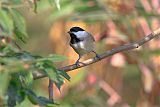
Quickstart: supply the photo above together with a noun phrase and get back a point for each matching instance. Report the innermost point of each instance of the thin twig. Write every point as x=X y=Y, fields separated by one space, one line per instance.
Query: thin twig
x=50 y=90
x=106 y=54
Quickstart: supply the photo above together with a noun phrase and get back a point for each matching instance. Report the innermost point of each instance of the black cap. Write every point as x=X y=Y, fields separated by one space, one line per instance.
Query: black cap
x=76 y=29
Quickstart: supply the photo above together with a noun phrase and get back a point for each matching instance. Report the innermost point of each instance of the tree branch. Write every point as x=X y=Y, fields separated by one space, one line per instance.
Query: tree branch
x=50 y=90
x=38 y=75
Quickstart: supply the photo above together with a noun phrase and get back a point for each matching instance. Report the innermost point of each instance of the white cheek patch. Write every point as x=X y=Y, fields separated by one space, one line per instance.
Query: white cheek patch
x=81 y=34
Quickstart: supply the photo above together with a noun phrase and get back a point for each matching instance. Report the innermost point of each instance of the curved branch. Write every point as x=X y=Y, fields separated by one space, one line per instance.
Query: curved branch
x=38 y=75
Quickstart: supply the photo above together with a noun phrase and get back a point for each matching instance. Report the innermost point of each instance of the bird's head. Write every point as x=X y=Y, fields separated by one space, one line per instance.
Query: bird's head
x=76 y=31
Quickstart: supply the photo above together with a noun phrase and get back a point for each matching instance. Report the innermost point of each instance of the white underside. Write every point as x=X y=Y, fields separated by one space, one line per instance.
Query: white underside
x=83 y=47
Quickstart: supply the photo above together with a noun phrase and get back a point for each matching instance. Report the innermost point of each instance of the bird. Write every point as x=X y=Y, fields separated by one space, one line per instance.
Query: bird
x=82 y=42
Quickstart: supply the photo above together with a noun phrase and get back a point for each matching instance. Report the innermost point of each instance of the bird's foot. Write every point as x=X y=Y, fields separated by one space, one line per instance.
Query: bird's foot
x=98 y=57
x=78 y=63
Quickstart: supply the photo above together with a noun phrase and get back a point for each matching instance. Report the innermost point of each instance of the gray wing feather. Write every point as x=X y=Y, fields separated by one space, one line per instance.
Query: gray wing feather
x=88 y=37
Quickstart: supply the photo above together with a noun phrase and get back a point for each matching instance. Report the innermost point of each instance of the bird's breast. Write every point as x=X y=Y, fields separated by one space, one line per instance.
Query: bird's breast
x=83 y=47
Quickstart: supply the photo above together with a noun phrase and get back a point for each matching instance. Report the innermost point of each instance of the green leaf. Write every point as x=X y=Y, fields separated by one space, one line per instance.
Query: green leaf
x=48 y=68
x=12 y=93
x=64 y=74
x=26 y=78
x=24 y=56
x=19 y=25
x=6 y=23
x=53 y=58
x=42 y=101
x=55 y=75
x=32 y=96
x=4 y=82
x=51 y=74
x=57 y=58
x=15 y=92
x=59 y=82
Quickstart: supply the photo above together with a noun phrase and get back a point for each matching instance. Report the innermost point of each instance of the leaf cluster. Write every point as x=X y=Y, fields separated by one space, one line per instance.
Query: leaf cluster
x=16 y=66
x=17 y=79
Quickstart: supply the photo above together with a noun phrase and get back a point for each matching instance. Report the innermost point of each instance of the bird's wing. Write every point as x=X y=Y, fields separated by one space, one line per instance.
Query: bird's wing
x=88 y=36
x=91 y=37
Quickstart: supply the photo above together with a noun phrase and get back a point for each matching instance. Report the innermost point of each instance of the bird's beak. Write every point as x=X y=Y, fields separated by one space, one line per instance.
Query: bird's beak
x=69 y=32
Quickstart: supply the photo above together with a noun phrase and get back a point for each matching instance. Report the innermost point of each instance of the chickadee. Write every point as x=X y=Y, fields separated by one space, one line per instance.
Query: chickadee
x=82 y=42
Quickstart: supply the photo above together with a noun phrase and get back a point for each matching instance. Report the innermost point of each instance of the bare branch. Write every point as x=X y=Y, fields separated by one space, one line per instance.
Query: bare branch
x=50 y=90
x=38 y=75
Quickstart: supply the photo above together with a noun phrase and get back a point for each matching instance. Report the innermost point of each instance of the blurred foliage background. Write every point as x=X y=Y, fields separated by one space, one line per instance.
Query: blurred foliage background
x=128 y=79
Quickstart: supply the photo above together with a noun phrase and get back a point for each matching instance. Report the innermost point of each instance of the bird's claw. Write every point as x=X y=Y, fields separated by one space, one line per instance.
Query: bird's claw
x=98 y=57
x=77 y=63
